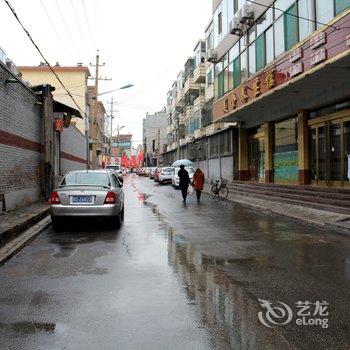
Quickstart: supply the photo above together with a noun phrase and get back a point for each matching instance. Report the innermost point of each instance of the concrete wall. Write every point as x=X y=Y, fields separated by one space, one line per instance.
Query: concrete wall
x=227 y=168
x=73 y=150
x=20 y=143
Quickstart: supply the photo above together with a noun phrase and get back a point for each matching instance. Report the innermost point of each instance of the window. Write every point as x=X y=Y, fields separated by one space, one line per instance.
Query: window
x=236 y=73
x=252 y=34
x=324 y=11
x=234 y=52
x=252 y=65
x=226 y=74
x=269 y=45
x=341 y=5
x=283 y=5
x=260 y=52
x=279 y=36
x=244 y=66
x=220 y=22
x=305 y=11
x=210 y=78
x=264 y=21
x=291 y=27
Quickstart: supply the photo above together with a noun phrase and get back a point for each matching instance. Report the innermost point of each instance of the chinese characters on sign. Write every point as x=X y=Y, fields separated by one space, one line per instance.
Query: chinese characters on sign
x=234 y=101
x=270 y=79
x=244 y=94
x=257 y=87
x=225 y=109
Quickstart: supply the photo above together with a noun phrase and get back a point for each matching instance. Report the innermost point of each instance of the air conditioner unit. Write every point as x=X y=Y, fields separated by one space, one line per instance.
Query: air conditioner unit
x=211 y=56
x=245 y=15
x=236 y=27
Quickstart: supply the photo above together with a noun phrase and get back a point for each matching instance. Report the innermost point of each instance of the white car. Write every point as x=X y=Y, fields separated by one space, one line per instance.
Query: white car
x=165 y=174
x=175 y=178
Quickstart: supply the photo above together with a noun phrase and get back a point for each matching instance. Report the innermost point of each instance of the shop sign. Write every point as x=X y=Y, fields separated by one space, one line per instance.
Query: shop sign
x=225 y=109
x=296 y=55
x=58 y=124
x=244 y=94
x=296 y=69
x=257 y=87
x=319 y=56
x=270 y=79
x=234 y=101
x=318 y=40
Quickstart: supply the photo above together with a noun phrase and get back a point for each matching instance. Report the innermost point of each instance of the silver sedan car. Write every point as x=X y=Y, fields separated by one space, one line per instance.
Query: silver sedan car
x=88 y=193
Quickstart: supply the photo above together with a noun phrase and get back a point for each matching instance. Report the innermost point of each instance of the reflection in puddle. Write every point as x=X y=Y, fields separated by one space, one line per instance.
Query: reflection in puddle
x=28 y=327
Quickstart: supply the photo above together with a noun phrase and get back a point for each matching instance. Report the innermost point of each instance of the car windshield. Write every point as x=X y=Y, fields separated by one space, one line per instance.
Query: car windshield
x=86 y=178
x=114 y=167
x=168 y=170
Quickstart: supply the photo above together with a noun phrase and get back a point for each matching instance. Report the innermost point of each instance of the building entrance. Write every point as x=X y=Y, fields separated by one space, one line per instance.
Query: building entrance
x=256 y=167
x=330 y=152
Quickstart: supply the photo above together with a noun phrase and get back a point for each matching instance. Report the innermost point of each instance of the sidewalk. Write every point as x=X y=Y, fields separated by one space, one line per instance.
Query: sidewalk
x=330 y=220
x=14 y=223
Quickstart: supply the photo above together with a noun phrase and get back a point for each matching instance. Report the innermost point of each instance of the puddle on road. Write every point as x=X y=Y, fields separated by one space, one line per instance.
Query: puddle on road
x=29 y=327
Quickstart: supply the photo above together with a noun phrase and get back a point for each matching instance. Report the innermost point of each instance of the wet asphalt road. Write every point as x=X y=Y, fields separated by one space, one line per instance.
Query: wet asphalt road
x=175 y=277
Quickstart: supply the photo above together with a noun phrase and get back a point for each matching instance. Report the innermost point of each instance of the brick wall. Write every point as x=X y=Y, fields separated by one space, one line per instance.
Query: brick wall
x=20 y=143
x=73 y=150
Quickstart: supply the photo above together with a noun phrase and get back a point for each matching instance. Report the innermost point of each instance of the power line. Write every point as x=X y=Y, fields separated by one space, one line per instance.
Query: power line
x=42 y=55
x=55 y=29
x=293 y=15
x=88 y=24
x=65 y=24
x=78 y=24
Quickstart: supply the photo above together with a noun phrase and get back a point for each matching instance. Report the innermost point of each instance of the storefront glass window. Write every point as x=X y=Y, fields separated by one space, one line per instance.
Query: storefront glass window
x=286 y=150
x=279 y=36
x=291 y=27
x=269 y=45
x=341 y=5
x=260 y=52
x=252 y=65
x=324 y=11
x=305 y=11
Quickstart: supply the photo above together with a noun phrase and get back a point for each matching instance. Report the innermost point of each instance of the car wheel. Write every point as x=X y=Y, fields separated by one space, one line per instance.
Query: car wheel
x=122 y=213
x=116 y=221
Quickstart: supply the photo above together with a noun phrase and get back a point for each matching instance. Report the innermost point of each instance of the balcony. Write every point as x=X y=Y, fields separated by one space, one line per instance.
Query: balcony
x=199 y=133
x=199 y=74
x=199 y=103
x=190 y=85
x=180 y=97
x=183 y=142
x=188 y=112
x=209 y=92
x=170 y=128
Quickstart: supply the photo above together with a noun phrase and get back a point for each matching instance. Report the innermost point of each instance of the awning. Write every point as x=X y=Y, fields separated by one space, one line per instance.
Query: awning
x=62 y=108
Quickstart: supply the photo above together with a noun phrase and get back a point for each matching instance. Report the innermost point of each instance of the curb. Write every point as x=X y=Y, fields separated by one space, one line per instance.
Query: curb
x=16 y=230
x=16 y=244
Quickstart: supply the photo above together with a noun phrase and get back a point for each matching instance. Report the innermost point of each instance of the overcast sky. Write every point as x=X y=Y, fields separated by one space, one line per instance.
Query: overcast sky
x=145 y=43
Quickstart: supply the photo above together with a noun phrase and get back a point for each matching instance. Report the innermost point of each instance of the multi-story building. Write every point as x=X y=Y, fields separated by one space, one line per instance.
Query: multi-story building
x=154 y=136
x=75 y=79
x=281 y=74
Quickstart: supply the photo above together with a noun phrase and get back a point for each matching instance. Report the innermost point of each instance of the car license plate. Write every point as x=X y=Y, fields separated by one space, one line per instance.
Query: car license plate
x=82 y=199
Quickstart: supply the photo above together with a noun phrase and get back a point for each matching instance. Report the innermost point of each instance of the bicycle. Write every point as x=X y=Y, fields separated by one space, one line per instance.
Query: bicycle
x=219 y=191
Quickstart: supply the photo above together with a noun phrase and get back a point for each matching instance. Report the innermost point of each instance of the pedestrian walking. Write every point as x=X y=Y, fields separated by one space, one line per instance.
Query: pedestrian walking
x=184 y=181
x=198 y=183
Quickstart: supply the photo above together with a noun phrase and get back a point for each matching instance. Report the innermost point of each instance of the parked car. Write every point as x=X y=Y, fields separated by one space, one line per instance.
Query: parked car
x=147 y=172
x=151 y=173
x=117 y=170
x=88 y=193
x=165 y=175
x=175 y=178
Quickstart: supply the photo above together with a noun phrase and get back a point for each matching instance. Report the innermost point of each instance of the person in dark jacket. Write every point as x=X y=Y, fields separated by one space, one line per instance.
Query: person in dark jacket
x=184 y=181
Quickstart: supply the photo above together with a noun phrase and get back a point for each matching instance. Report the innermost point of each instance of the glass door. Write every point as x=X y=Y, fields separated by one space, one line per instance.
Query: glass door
x=328 y=158
x=256 y=165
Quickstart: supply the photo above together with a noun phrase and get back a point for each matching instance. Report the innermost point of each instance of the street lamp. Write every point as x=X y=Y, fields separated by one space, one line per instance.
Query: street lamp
x=121 y=88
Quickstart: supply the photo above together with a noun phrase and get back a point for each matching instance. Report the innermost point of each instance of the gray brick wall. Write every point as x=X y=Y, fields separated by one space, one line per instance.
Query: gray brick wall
x=20 y=169
x=73 y=142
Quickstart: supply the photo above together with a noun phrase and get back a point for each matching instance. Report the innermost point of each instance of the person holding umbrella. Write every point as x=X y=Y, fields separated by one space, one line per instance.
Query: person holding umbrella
x=198 y=183
x=184 y=181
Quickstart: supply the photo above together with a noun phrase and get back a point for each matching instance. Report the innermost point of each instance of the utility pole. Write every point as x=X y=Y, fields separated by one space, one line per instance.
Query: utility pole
x=95 y=111
x=111 y=114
